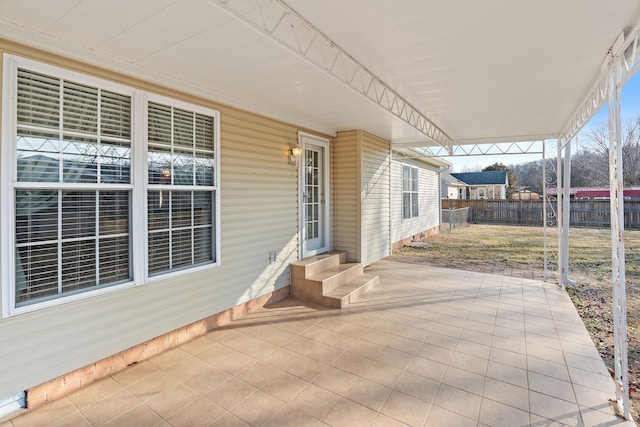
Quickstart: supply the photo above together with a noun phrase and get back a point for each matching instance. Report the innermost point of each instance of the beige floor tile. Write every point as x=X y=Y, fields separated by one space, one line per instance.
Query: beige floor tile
x=382 y=373
x=229 y=420
x=590 y=398
x=75 y=419
x=506 y=357
x=506 y=393
x=152 y=386
x=435 y=353
x=335 y=380
x=366 y=349
x=306 y=368
x=94 y=392
x=110 y=407
x=368 y=393
x=496 y=414
x=206 y=380
x=468 y=362
x=315 y=401
x=418 y=386
x=440 y=417
x=281 y=358
x=285 y=386
x=465 y=380
x=290 y=417
x=348 y=413
x=592 y=380
x=395 y=358
x=555 y=409
x=507 y=373
x=383 y=420
x=140 y=415
x=230 y=393
x=201 y=412
x=259 y=408
x=551 y=386
x=545 y=367
x=323 y=352
x=185 y=368
x=427 y=368
x=593 y=417
x=214 y=353
x=440 y=340
x=135 y=373
x=258 y=374
x=171 y=400
x=406 y=409
x=459 y=401
x=586 y=363
x=352 y=363
x=169 y=358
x=235 y=362
x=474 y=349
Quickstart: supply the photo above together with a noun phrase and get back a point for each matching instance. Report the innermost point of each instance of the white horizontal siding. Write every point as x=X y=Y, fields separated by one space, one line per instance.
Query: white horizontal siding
x=258 y=215
x=428 y=200
x=374 y=192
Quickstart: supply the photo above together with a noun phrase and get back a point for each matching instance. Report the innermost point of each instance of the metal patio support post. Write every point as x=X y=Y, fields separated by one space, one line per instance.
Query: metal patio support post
x=617 y=241
x=544 y=204
x=566 y=213
x=563 y=171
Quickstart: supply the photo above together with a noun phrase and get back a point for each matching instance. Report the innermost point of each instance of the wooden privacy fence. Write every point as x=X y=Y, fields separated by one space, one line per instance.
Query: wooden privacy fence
x=585 y=213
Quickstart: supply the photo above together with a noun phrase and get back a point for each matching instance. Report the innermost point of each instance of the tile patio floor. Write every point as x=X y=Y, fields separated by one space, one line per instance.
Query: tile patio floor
x=428 y=346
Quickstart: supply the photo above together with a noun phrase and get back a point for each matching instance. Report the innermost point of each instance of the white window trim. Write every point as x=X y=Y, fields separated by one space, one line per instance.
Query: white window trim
x=138 y=185
x=416 y=192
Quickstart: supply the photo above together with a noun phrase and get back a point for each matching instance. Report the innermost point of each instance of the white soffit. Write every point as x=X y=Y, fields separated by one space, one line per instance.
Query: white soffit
x=479 y=69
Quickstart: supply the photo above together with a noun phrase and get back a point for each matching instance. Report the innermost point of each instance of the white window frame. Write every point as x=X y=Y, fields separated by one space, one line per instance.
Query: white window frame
x=412 y=192
x=137 y=186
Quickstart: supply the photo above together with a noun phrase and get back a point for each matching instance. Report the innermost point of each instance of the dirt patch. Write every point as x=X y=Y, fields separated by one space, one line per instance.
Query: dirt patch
x=519 y=252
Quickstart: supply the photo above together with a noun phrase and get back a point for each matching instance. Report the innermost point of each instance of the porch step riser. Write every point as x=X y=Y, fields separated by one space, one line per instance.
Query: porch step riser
x=311 y=266
x=328 y=280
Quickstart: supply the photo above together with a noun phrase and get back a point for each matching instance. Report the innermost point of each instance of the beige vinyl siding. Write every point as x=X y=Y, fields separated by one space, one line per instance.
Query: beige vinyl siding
x=374 y=190
x=258 y=214
x=428 y=200
x=346 y=202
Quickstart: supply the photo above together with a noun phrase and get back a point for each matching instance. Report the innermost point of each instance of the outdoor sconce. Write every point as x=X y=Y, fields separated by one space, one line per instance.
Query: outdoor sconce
x=294 y=153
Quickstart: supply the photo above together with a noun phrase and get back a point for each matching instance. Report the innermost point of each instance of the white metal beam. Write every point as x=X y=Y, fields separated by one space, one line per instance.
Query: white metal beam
x=625 y=47
x=279 y=22
x=529 y=147
x=617 y=239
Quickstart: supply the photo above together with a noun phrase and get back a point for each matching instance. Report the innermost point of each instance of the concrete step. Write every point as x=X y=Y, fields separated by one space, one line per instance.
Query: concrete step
x=335 y=276
x=351 y=291
x=308 y=267
x=329 y=280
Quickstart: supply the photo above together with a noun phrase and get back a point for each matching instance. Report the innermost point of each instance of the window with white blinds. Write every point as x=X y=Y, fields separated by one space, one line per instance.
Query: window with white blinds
x=409 y=191
x=69 y=165
x=181 y=188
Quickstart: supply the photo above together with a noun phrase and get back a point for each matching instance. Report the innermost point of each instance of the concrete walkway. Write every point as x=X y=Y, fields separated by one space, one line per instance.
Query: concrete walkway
x=428 y=347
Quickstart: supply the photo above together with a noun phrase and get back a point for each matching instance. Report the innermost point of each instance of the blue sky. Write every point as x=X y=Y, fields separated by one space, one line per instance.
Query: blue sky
x=630 y=107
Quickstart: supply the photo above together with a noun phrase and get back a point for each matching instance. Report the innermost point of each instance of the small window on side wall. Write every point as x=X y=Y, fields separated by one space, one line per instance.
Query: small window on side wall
x=409 y=192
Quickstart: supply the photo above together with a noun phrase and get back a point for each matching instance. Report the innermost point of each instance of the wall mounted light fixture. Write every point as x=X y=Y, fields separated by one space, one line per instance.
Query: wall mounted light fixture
x=294 y=153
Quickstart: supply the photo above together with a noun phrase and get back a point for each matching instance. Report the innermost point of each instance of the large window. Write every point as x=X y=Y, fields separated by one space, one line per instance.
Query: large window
x=71 y=152
x=409 y=191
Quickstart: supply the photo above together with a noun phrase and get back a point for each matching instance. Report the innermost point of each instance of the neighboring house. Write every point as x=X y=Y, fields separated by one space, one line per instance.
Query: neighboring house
x=485 y=185
x=594 y=192
x=452 y=187
x=137 y=216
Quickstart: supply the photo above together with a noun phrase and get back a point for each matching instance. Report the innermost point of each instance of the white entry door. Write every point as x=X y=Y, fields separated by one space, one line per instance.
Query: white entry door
x=314 y=195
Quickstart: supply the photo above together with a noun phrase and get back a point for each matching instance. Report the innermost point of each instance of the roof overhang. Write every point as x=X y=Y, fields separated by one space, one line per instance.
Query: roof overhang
x=424 y=74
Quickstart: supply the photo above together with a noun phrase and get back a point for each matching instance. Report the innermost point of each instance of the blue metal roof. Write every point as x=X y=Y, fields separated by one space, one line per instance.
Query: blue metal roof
x=482 y=178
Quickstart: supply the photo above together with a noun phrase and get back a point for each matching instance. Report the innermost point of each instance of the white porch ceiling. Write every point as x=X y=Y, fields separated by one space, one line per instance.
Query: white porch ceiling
x=481 y=70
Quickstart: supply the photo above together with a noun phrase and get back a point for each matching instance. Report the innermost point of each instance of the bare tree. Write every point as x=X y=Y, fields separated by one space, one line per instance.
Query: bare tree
x=598 y=141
